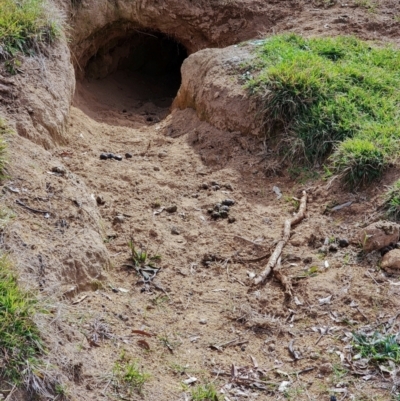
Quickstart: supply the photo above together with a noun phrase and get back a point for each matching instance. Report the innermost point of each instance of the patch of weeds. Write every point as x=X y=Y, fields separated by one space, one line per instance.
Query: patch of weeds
x=332 y=100
x=20 y=343
x=377 y=347
x=179 y=369
x=25 y=25
x=370 y=5
x=205 y=392
x=129 y=377
x=339 y=371
x=392 y=202
x=140 y=257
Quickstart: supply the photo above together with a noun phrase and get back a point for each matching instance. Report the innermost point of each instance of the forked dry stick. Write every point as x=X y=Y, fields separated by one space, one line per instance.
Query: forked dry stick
x=273 y=260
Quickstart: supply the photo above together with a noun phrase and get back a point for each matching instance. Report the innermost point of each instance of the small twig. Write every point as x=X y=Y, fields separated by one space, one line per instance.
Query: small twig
x=18 y=202
x=275 y=257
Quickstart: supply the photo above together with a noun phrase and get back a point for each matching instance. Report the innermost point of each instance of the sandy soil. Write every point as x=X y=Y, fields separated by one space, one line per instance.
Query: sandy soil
x=201 y=310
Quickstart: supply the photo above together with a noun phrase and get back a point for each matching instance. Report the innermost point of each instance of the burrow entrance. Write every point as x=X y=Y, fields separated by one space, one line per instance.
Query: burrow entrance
x=136 y=77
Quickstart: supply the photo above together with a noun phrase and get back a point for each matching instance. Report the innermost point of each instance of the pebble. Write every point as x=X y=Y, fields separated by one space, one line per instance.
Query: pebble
x=117 y=157
x=231 y=219
x=162 y=154
x=215 y=215
x=59 y=170
x=171 y=209
x=204 y=186
x=228 y=202
x=333 y=248
x=100 y=200
x=224 y=209
x=104 y=156
x=175 y=231
x=156 y=168
x=119 y=219
x=223 y=214
x=307 y=260
x=343 y=243
x=215 y=187
x=214 y=183
x=128 y=155
x=203 y=321
x=228 y=186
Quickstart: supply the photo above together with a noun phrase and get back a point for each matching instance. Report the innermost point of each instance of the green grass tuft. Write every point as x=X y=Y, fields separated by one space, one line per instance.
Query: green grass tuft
x=129 y=377
x=335 y=97
x=392 y=202
x=24 y=25
x=205 y=393
x=378 y=347
x=19 y=337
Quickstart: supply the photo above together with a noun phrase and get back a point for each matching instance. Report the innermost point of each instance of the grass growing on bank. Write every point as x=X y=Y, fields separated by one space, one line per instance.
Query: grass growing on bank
x=24 y=25
x=19 y=337
x=336 y=97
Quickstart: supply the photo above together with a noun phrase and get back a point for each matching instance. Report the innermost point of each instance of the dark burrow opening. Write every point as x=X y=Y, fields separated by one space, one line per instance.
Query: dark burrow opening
x=137 y=76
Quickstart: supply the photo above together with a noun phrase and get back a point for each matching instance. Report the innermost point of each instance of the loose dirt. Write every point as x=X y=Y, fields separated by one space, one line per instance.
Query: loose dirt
x=201 y=298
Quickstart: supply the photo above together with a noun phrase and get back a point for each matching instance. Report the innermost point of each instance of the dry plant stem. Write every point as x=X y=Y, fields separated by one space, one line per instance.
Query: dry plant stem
x=285 y=238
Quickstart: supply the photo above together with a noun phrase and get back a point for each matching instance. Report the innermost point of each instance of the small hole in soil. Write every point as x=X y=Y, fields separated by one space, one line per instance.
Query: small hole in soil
x=137 y=77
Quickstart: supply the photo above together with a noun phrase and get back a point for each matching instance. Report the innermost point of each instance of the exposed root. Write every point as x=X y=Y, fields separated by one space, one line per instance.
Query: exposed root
x=274 y=261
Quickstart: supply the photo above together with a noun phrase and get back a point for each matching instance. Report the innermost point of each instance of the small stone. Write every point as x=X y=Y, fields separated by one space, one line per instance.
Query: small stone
x=343 y=243
x=307 y=260
x=162 y=154
x=209 y=211
x=215 y=215
x=378 y=235
x=171 y=209
x=215 y=187
x=391 y=261
x=156 y=168
x=223 y=214
x=228 y=202
x=231 y=219
x=104 y=156
x=228 y=186
x=203 y=321
x=271 y=347
x=128 y=155
x=100 y=200
x=119 y=219
x=217 y=206
x=117 y=157
x=214 y=183
x=195 y=195
x=59 y=170
x=333 y=248
x=175 y=231
x=204 y=186
x=224 y=208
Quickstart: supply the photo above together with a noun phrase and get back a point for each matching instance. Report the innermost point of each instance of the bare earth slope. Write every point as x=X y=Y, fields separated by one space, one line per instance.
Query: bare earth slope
x=202 y=312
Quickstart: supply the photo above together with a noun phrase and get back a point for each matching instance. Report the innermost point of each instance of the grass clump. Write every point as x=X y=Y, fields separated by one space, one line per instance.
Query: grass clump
x=392 y=202
x=24 y=25
x=377 y=347
x=140 y=257
x=129 y=377
x=334 y=97
x=19 y=337
x=205 y=392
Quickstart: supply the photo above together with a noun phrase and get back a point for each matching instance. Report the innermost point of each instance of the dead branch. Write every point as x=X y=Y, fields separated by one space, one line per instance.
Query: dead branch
x=273 y=260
